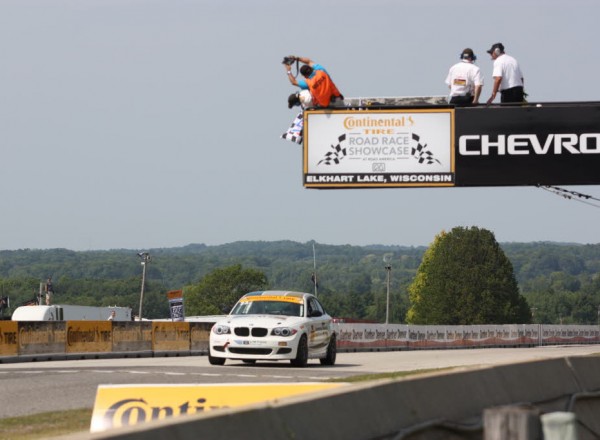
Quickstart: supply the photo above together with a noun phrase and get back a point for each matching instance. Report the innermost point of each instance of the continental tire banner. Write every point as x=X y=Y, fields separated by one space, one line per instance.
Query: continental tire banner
x=542 y=144
x=379 y=148
x=117 y=406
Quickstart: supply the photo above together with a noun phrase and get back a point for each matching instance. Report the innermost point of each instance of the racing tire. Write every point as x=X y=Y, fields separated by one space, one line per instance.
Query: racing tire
x=302 y=354
x=215 y=360
x=329 y=359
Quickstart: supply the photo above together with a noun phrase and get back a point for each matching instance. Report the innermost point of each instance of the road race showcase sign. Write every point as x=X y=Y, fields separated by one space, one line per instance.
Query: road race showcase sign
x=379 y=148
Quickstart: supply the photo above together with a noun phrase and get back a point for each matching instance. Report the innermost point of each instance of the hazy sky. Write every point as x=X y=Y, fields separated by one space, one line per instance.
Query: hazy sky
x=155 y=123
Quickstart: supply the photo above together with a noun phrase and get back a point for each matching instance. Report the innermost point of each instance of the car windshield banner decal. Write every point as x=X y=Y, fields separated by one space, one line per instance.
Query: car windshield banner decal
x=292 y=299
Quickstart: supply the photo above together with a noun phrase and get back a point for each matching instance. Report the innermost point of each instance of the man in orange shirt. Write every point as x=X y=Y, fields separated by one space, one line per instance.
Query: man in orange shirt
x=316 y=80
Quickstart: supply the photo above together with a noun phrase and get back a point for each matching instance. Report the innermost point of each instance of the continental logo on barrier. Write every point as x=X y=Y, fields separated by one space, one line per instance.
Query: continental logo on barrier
x=131 y=334
x=89 y=336
x=171 y=335
x=8 y=338
x=127 y=405
x=40 y=334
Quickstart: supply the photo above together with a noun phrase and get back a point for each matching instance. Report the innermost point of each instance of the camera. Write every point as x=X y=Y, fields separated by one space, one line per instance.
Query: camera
x=289 y=60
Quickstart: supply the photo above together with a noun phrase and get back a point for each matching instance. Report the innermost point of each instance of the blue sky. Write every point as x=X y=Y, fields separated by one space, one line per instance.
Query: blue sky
x=155 y=123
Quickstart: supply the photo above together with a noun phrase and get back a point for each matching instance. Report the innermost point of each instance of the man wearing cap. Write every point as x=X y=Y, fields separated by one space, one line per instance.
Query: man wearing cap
x=508 y=78
x=465 y=80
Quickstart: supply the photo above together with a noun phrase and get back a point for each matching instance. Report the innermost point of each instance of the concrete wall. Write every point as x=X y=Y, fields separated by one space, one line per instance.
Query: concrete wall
x=422 y=407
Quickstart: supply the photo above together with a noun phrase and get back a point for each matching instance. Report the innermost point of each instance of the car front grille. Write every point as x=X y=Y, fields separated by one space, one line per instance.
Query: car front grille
x=241 y=350
x=258 y=332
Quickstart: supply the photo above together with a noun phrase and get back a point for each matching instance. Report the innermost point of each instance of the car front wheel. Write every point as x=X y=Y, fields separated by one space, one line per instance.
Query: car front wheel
x=215 y=360
x=302 y=353
x=329 y=359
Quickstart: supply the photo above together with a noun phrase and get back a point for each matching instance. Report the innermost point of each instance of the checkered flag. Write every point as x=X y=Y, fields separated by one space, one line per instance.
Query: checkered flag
x=294 y=133
x=338 y=153
x=421 y=153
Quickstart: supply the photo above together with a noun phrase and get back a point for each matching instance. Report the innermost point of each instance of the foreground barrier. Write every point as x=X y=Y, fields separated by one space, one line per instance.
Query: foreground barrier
x=449 y=405
x=21 y=341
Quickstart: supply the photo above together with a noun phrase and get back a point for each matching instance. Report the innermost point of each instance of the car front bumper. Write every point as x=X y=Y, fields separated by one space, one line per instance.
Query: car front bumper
x=251 y=348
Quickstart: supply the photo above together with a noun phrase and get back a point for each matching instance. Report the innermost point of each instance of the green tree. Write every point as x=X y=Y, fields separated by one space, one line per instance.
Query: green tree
x=218 y=291
x=465 y=279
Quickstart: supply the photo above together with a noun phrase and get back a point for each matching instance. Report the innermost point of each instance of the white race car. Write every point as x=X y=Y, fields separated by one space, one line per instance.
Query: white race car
x=274 y=325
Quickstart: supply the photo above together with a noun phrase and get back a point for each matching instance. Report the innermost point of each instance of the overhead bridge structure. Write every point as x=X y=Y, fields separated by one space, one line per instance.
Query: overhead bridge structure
x=424 y=142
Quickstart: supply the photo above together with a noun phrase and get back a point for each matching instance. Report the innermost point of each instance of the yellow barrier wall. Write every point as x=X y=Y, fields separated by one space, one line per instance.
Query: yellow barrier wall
x=199 y=334
x=41 y=337
x=170 y=336
x=8 y=338
x=89 y=336
x=131 y=336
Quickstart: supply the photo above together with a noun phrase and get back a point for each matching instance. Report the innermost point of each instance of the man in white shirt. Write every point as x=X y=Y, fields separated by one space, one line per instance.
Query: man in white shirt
x=508 y=78
x=465 y=81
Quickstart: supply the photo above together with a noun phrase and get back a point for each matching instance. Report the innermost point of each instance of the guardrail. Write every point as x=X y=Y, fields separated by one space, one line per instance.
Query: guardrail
x=26 y=341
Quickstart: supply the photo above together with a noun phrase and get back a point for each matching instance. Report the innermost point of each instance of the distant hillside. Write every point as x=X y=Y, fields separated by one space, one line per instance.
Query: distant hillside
x=556 y=278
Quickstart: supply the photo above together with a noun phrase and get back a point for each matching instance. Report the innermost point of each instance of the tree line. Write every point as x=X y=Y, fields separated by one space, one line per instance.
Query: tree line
x=554 y=282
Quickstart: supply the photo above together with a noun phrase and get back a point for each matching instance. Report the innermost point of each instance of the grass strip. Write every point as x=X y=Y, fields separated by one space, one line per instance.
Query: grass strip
x=44 y=425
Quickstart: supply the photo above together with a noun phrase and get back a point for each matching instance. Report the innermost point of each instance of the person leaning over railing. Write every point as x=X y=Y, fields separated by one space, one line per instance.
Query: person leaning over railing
x=315 y=79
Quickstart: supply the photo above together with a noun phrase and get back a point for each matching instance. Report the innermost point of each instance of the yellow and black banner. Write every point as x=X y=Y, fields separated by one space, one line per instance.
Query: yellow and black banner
x=125 y=405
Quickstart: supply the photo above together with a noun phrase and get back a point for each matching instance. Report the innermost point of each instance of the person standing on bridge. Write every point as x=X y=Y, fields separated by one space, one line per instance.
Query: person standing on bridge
x=49 y=291
x=316 y=80
x=465 y=80
x=508 y=78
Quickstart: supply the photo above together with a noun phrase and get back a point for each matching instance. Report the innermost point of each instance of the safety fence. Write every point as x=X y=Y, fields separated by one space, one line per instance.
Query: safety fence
x=355 y=337
x=81 y=339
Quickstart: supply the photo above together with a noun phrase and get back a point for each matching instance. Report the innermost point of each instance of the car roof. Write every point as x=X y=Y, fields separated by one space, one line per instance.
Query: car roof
x=279 y=293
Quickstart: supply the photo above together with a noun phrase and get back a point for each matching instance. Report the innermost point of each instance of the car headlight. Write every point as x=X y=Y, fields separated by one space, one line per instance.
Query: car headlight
x=284 y=331
x=221 y=330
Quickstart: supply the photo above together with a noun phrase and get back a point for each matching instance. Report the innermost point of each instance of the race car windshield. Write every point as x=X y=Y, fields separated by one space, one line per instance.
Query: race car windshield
x=267 y=308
